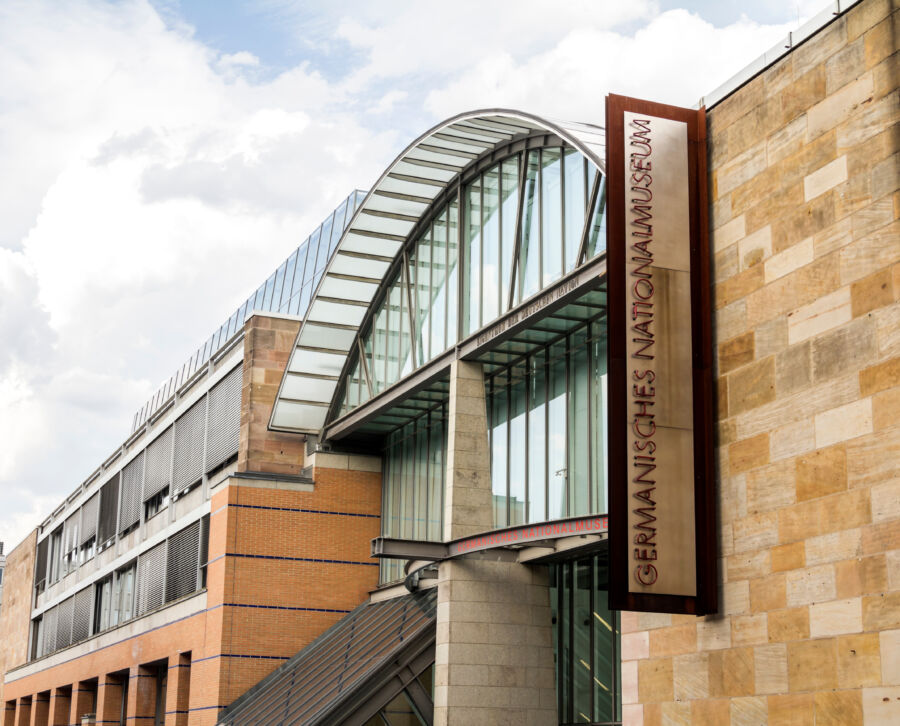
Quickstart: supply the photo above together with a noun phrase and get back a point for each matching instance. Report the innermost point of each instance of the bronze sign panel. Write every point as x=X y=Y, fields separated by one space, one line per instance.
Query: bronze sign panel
x=662 y=506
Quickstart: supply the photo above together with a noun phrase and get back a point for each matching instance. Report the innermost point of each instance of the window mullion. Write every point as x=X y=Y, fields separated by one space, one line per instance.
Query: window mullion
x=405 y=281
x=517 y=237
x=588 y=218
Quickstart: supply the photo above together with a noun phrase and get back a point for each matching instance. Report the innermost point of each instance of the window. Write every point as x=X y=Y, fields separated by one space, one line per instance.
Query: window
x=55 y=553
x=123 y=595
x=87 y=550
x=103 y=604
x=155 y=504
x=37 y=636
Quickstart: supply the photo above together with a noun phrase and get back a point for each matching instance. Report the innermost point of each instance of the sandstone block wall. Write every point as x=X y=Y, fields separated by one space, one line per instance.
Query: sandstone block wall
x=806 y=240
x=16 y=606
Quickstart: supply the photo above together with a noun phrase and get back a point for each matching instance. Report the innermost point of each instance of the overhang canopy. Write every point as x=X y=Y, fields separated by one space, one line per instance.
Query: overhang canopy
x=376 y=235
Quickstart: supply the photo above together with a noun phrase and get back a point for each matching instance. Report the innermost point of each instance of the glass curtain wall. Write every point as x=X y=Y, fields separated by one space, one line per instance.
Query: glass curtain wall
x=547 y=421
x=413 y=493
x=514 y=240
x=586 y=642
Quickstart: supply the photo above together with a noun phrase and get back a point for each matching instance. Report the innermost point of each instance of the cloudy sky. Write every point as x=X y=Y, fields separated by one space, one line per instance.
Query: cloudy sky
x=160 y=158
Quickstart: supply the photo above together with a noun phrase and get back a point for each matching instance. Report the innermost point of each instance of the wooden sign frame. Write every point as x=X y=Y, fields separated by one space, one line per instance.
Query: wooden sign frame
x=649 y=570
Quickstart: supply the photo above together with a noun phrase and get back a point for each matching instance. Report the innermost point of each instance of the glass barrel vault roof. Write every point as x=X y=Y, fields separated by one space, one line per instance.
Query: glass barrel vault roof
x=376 y=235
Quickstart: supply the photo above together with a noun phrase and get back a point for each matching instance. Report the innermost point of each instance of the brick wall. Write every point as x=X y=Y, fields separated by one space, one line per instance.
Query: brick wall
x=268 y=343
x=805 y=202
x=15 y=613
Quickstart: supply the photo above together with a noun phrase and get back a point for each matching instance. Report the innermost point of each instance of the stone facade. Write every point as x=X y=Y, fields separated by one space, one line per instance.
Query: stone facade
x=804 y=179
x=16 y=605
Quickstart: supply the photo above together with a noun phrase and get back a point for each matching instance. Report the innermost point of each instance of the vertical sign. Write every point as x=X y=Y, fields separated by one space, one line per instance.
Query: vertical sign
x=662 y=505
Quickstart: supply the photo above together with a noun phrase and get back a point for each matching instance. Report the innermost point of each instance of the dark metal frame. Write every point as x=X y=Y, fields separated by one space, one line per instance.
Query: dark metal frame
x=706 y=600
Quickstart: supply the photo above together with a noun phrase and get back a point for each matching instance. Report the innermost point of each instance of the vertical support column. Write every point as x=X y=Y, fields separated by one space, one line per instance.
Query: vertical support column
x=494 y=653
x=60 y=705
x=82 y=702
x=9 y=713
x=40 y=709
x=109 y=699
x=23 y=711
x=141 y=707
x=178 y=693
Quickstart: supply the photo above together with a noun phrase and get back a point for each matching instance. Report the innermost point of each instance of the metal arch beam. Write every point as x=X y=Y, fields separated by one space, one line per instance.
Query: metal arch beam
x=376 y=235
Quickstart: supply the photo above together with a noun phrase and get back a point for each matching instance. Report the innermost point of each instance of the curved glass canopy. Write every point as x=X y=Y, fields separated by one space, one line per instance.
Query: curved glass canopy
x=472 y=219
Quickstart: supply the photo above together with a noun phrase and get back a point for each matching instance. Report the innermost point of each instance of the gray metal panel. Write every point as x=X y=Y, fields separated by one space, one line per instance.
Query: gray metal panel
x=89 y=514
x=64 y=623
x=189 y=430
x=223 y=430
x=70 y=532
x=109 y=508
x=49 y=644
x=81 y=614
x=158 y=474
x=181 y=572
x=151 y=579
x=130 y=499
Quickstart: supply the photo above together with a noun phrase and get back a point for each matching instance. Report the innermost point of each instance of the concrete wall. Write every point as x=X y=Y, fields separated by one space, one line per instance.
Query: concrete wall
x=805 y=202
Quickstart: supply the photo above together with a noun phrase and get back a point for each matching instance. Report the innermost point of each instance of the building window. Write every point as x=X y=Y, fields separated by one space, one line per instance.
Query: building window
x=547 y=422
x=55 y=554
x=586 y=644
x=37 y=637
x=155 y=504
x=123 y=595
x=413 y=495
x=103 y=604
x=87 y=550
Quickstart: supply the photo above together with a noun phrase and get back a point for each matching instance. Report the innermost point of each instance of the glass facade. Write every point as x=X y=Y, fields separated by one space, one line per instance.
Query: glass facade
x=586 y=640
x=413 y=484
x=514 y=239
x=287 y=290
x=547 y=423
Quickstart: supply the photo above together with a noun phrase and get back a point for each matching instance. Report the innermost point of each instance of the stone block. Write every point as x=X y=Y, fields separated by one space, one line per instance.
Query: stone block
x=879 y=377
x=655 y=680
x=792 y=258
x=825 y=313
x=691 y=676
x=741 y=168
x=710 y=712
x=871 y=218
x=884 y=409
x=874 y=459
x=886 y=501
x=872 y=292
x=847 y=348
x=810 y=585
x=788 y=625
x=749 y=630
x=861 y=576
x=887 y=326
x=881 y=706
x=792 y=439
x=859 y=660
x=747 y=565
x=880 y=41
x=835 y=618
x=748 y=454
x=786 y=140
x=844 y=423
x=739 y=286
x=793 y=368
x=726 y=264
x=788 y=557
x=771 y=668
x=884 y=176
x=812 y=665
x=865 y=15
x=768 y=593
x=867 y=255
x=803 y=220
x=791 y=710
x=825 y=178
x=630 y=681
x=635 y=645
x=844 y=66
x=832 y=110
x=771 y=337
x=673 y=640
x=731 y=672
x=755 y=532
x=729 y=233
x=749 y=711
x=881 y=611
x=751 y=386
x=834 y=546
x=736 y=352
x=713 y=633
x=837 y=708
x=821 y=473
x=889 y=648
x=755 y=248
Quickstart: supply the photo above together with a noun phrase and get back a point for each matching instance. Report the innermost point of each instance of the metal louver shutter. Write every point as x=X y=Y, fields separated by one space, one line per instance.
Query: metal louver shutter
x=181 y=572
x=49 y=644
x=40 y=568
x=158 y=474
x=151 y=578
x=81 y=615
x=130 y=500
x=89 y=513
x=189 y=446
x=109 y=508
x=70 y=532
x=224 y=430
x=64 y=623
x=204 y=540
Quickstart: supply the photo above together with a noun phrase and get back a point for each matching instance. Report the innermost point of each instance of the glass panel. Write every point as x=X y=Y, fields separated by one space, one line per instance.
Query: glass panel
x=338 y=226
x=288 y=290
x=490 y=267
x=279 y=285
x=597 y=234
x=605 y=651
x=530 y=247
x=599 y=450
x=267 y=298
x=420 y=269
x=452 y=286
x=310 y=267
x=556 y=433
x=509 y=201
x=575 y=201
x=517 y=446
x=436 y=478
x=322 y=256
x=379 y=349
x=551 y=216
x=399 y=712
x=499 y=451
x=537 y=448
x=394 y=332
x=473 y=258
x=582 y=616
x=438 y=294
x=579 y=425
